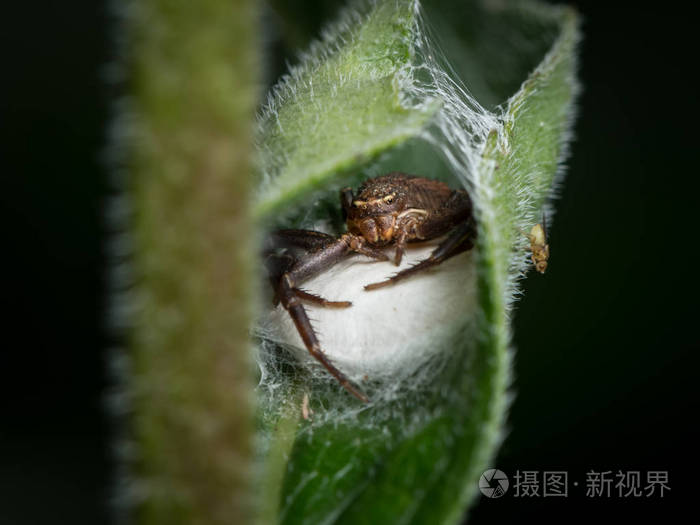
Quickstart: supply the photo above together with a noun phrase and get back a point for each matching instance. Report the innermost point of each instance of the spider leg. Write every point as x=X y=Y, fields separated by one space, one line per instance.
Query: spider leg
x=359 y=244
x=317 y=299
x=459 y=240
x=315 y=246
x=400 y=247
x=407 y=227
x=303 y=239
x=276 y=265
x=287 y=272
x=290 y=301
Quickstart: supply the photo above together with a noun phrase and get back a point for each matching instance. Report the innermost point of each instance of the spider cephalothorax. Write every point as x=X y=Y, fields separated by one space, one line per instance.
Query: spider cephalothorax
x=391 y=210
x=397 y=208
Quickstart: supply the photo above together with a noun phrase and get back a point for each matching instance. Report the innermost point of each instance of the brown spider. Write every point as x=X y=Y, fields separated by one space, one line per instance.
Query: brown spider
x=391 y=210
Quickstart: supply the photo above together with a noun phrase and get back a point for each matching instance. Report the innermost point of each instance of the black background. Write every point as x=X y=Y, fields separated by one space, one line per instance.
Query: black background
x=606 y=367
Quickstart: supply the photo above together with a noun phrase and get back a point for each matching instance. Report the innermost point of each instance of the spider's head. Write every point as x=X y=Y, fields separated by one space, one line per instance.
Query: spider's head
x=373 y=216
x=378 y=230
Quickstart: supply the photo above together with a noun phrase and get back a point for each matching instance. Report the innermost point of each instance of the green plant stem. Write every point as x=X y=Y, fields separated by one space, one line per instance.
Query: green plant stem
x=193 y=70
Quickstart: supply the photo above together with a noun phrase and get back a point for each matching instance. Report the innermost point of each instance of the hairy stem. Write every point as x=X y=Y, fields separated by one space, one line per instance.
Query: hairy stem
x=193 y=73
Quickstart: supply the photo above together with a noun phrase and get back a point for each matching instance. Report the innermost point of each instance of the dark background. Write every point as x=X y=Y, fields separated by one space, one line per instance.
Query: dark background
x=605 y=372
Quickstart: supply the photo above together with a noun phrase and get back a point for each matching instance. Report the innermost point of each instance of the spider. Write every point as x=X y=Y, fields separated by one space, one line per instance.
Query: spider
x=388 y=211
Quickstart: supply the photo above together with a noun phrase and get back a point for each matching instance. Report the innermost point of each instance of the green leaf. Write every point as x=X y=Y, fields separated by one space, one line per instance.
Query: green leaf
x=376 y=95
x=342 y=106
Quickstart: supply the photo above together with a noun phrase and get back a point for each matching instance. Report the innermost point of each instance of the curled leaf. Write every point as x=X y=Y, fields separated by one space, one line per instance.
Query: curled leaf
x=389 y=88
